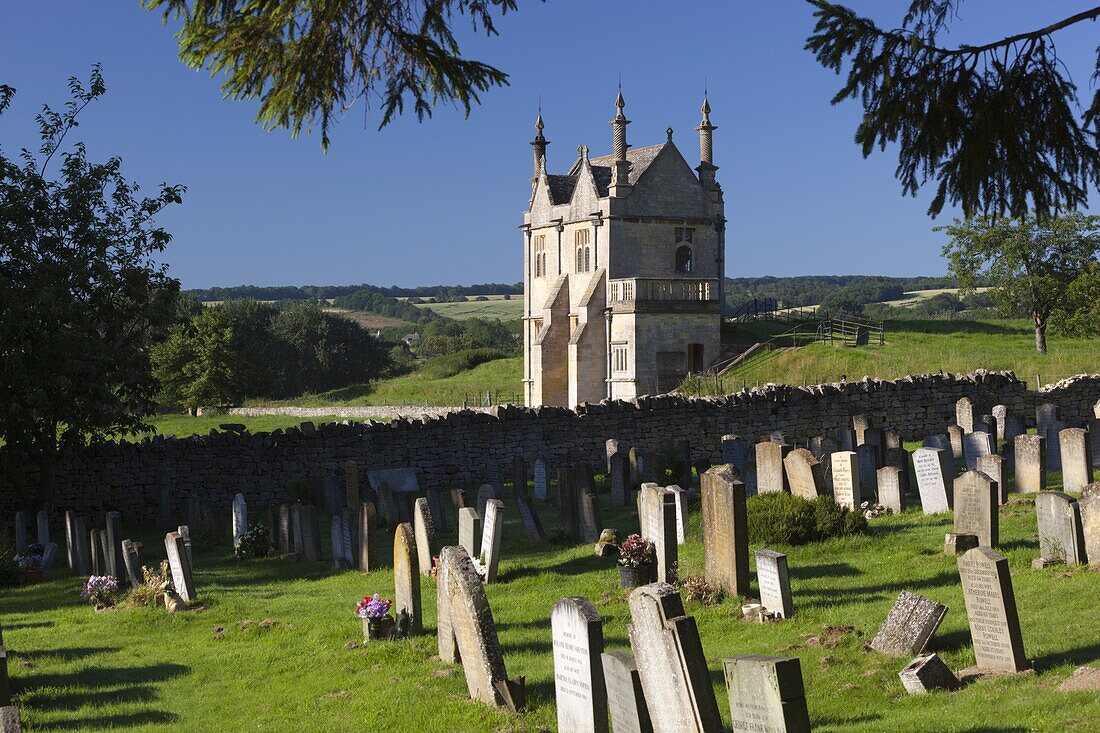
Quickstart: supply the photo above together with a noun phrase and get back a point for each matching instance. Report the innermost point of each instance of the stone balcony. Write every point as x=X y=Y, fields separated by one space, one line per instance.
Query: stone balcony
x=663 y=295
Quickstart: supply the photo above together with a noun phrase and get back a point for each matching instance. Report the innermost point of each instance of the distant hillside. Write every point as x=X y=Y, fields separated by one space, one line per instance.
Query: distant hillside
x=814 y=289
x=307 y=292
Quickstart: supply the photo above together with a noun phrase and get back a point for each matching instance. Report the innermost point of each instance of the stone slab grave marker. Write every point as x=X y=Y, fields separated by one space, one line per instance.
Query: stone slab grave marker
x=341 y=550
x=991 y=611
x=113 y=538
x=490 y=538
x=805 y=474
x=845 y=439
x=286 y=530
x=1089 y=506
x=671 y=662
x=860 y=425
x=424 y=532
x=43 y=521
x=619 y=476
x=580 y=694
x=484 y=494
x=70 y=539
x=367 y=523
x=179 y=562
x=331 y=494
x=893 y=441
x=964 y=414
x=935 y=471
x=519 y=477
x=890 y=492
x=734 y=452
x=568 y=511
x=610 y=447
x=351 y=484
x=1053 y=445
x=1014 y=425
x=993 y=467
x=987 y=424
x=458 y=501
x=956 y=544
x=311 y=533
x=493 y=479
x=625 y=698
x=926 y=673
x=1046 y=415
x=846 y=483
x=532 y=524
x=658 y=519
x=588 y=510
x=394 y=489
x=766 y=694
x=937 y=441
x=21 y=542
x=476 y=635
x=867 y=458
x=955 y=436
x=977 y=504
x=770 y=476
x=975 y=444
x=444 y=627
x=774 y=582
x=910 y=625
x=437 y=504
x=542 y=479
x=876 y=438
x=82 y=552
x=185 y=535
x=469 y=531
x=1000 y=412
x=406 y=577
x=1076 y=453
x=98 y=564
x=1060 y=535
x=725 y=530
x=134 y=562
x=1031 y=463
x=680 y=496
x=240 y=518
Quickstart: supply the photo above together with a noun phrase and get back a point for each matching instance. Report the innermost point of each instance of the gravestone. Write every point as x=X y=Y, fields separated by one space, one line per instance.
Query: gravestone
x=365 y=536
x=610 y=448
x=542 y=479
x=330 y=492
x=867 y=458
x=1060 y=535
x=43 y=520
x=469 y=531
x=899 y=458
x=625 y=698
x=458 y=501
x=484 y=494
x=490 y=538
x=805 y=474
x=476 y=634
x=532 y=524
x=846 y=483
x=671 y=663
x=926 y=673
x=519 y=477
x=893 y=440
x=286 y=530
x=734 y=452
x=964 y=414
x=975 y=444
x=681 y=447
x=1031 y=463
x=395 y=490
x=766 y=694
x=21 y=542
x=770 y=476
x=955 y=435
x=568 y=509
x=1076 y=455
x=957 y=544
x=341 y=553
x=49 y=555
x=890 y=493
x=680 y=495
x=5 y=684
x=987 y=424
x=424 y=533
x=1014 y=425
x=179 y=561
x=1046 y=415
x=70 y=539
x=860 y=425
x=83 y=549
x=113 y=538
x=991 y=611
x=977 y=503
x=493 y=479
x=437 y=504
x=774 y=582
x=406 y=576
x=240 y=518
x=1053 y=445
x=910 y=625
x=133 y=560
x=937 y=441
x=1000 y=412
x=580 y=695
x=1089 y=506
x=934 y=471
x=310 y=528
x=444 y=627
x=588 y=511
x=658 y=520
x=618 y=474
x=98 y=562
x=351 y=484
x=725 y=530
x=845 y=439
x=876 y=438
x=993 y=467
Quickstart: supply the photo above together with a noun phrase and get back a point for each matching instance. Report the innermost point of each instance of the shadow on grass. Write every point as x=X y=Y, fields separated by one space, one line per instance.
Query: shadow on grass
x=862 y=594
x=1080 y=655
x=78 y=652
x=572 y=566
x=851 y=720
x=951 y=641
x=1018 y=545
x=829 y=570
x=121 y=720
x=960 y=326
x=96 y=676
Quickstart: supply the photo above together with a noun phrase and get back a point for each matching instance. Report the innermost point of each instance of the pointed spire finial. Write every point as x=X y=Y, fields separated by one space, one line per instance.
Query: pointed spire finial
x=669 y=131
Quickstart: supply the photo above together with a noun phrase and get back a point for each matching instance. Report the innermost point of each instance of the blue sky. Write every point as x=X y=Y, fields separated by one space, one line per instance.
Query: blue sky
x=440 y=202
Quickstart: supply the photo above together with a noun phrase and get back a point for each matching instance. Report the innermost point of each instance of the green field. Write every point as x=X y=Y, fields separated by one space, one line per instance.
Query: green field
x=505 y=310
x=273 y=648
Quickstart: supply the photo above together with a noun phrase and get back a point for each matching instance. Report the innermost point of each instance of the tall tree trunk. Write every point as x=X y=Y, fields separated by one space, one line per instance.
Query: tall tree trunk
x=1041 y=336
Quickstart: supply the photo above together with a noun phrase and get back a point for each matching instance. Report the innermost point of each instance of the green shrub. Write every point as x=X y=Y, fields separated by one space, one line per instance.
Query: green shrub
x=254 y=543
x=449 y=365
x=782 y=519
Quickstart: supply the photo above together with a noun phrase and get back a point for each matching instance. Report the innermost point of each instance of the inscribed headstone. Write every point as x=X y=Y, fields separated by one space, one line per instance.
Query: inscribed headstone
x=725 y=530
x=890 y=493
x=1031 y=463
x=766 y=694
x=580 y=695
x=975 y=444
x=444 y=627
x=867 y=458
x=991 y=611
x=910 y=625
x=934 y=471
x=774 y=582
x=846 y=483
x=490 y=538
x=424 y=533
x=1060 y=534
x=625 y=698
x=542 y=479
x=180 y=564
x=977 y=503
x=406 y=576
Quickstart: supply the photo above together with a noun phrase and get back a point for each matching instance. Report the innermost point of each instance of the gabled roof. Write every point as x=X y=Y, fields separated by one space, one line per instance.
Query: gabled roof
x=561 y=188
x=640 y=159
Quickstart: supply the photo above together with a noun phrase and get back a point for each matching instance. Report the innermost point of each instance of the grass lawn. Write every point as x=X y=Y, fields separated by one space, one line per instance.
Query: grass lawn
x=221 y=670
x=505 y=310
x=920 y=347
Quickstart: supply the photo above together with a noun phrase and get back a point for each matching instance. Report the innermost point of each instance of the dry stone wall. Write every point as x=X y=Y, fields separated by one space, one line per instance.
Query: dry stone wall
x=456 y=448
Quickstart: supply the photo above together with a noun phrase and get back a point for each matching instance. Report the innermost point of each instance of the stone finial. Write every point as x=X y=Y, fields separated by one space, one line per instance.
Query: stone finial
x=539 y=144
x=620 y=170
x=706 y=137
x=668 y=130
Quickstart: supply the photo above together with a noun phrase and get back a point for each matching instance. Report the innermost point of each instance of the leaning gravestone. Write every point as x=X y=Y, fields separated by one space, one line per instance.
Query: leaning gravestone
x=240 y=518
x=532 y=524
x=542 y=479
x=846 y=483
x=770 y=476
x=805 y=474
x=774 y=582
x=132 y=559
x=1089 y=505
x=977 y=503
x=964 y=414
x=993 y=467
x=991 y=611
x=890 y=493
x=955 y=435
x=625 y=698
x=476 y=634
x=579 y=691
x=975 y=444
x=179 y=561
x=444 y=628
x=406 y=576
x=589 y=513
x=424 y=533
x=725 y=530
x=766 y=694
x=1076 y=453
x=934 y=471
x=910 y=625
x=926 y=673
x=1060 y=535
x=671 y=663
x=469 y=531
x=1031 y=463
x=490 y=538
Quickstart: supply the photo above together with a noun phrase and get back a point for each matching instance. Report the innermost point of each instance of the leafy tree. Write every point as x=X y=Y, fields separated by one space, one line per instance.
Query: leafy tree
x=994 y=123
x=841 y=303
x=308 y=60
x=326 y=351
x=1078 y=313
x=1029 y=261
x=81 y=296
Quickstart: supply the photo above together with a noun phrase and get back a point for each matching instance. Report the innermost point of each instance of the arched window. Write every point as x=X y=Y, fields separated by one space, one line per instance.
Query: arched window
x=580 y=259
x=588 y=259
x=683 y=258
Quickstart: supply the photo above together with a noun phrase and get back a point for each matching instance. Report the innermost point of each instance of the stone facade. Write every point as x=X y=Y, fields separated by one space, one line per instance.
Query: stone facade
x=623 y=265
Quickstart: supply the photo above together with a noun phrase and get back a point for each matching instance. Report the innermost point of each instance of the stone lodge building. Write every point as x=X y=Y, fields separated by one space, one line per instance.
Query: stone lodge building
x=622 y=270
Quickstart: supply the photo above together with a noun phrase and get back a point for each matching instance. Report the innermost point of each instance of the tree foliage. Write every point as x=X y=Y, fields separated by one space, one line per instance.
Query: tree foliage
x=81 y=295
x=1078 y=313
x=1030 y=262
x=995 y=124
x=309 y=60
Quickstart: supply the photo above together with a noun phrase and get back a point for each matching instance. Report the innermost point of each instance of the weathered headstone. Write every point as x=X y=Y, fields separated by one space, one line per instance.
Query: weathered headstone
x=395 y=490
x=490 y=538
x=43 y=519
x=542 y=479
x=1053 y=445
x=910 y=625
x=805 y=474
x=469 y=531
x=1046 y=415
x=926 y=673
x=680 y=495
x=860 y=425
x=579 y=692
x=658 y=520
x=1000 y=412
x=1031 y=463
x=845 y=439
x=934 y=471
x=975 y=444
x=493 y=479
x=671 y=662
x=955 y=435
x=240 y=518
x=332 y=497
x=993 y=467
x=365 y=536
x=21 y=542
x=769 y=467
x=113 y=537
x=956 y=544
x=867 y=458
x=532 y=524
x=309 y=530
x=444 y=627
x=611 y=447
x=484 y=494
x=98 y=562
x=1076 y=453
x=734 y=452
x=991 y=611
x=618 y=474
x=977 y=503
x=588 y=510
x=406 y=576
x=286 y=530
x=774 y=582
x=351 y=485
x=82 y=554
x=1060 y=534
x=424 y=533
x=766 y=694
x=133 y=560
x=437 y=504
x=890 y=492
x=725 y=530
x=179 y=563
x=1014 y=425
x=341 y=553
x=1089 y=506
x=846 y=483
x=964 y=414
x=519 y=477
x=625 y=698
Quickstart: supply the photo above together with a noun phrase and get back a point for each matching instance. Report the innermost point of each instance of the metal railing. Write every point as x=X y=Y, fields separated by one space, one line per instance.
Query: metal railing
x=634 y=289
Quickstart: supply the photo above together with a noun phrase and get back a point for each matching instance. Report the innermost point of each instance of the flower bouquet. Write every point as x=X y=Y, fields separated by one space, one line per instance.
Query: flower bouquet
x=101 y=591
x=637 y=562
x=30 y=562
x=377 y=623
